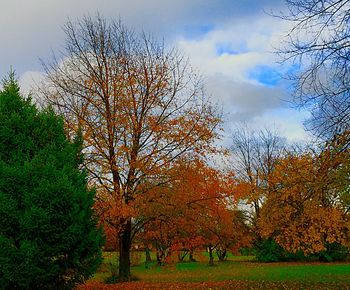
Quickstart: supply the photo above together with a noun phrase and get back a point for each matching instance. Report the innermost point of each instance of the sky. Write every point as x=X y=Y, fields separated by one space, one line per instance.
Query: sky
x=231 y=42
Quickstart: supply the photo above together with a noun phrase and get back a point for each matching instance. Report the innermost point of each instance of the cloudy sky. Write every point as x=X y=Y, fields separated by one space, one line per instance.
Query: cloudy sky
x=230 y=41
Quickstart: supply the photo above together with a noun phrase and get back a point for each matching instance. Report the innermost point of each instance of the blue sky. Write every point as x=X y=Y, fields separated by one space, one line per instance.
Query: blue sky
x=230 y=41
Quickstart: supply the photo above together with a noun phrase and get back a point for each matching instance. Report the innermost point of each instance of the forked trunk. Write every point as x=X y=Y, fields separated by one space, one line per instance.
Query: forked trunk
x=221 y=253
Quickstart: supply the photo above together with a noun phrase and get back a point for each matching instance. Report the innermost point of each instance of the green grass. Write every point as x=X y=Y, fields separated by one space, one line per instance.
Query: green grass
x=241 y=268
x=197 y=272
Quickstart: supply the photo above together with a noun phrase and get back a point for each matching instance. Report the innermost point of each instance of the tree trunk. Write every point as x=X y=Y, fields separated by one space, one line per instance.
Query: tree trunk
x=160 y=257
x=211 y=257
x=124 y=252
x=148 y=257
x=221 y=253
x=192 y=259
x=182 y=255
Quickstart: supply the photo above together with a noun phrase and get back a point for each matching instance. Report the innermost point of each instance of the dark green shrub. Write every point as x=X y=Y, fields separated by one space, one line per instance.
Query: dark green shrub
x=267 y=250
x=334 y=252
x=48 y=233
x=112 y=280
x=245 y=251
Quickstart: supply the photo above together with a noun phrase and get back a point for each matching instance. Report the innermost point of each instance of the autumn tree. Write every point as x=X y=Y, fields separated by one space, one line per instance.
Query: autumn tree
x=48 y=233
x=317 y=46
x=182 y=212
x=338 y=149
x=304 y=210
x=224 y=230
x=139 y=106
x=234 y=233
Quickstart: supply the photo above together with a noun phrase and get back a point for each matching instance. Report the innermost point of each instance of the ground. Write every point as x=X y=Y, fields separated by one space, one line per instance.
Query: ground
x=238 y=272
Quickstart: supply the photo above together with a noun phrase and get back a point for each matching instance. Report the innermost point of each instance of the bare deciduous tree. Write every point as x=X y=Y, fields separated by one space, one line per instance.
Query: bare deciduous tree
x=319 y=45
x=255 y=154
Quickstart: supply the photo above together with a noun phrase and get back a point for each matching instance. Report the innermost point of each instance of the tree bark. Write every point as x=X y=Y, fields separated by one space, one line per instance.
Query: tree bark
x=221 y=253
x=192 y=259
x=148 y=257
x=124 y=252
x=182 y=255
x=211 y=257
x=160 y=257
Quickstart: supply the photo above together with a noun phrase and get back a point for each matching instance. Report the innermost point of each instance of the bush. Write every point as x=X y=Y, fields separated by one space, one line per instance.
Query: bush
x=48 y=234
x=246 y=251
x=267 y=250
x=114 y=271
x=334 y=252
x=114 y=268
x=112 y=279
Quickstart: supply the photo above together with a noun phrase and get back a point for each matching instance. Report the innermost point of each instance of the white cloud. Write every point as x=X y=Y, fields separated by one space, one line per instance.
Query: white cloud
x=227 y=74
x=226 y=40
x=288 y=121
x=29 y=81
x=244 y=96
x=243 y=47
x=30 y=29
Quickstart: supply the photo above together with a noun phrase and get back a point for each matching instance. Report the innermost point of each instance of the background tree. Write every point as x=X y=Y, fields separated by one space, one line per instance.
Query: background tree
x=254 y=157
x=318 y=45
x=338 y=150
x=303 y=211
x=190 y=208
x=48 y=233
x=140 y=107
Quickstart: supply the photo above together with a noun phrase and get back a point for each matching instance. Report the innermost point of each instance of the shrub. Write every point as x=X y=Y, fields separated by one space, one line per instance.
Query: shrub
x=114 y=272
x=334 y=252
x=267 y=250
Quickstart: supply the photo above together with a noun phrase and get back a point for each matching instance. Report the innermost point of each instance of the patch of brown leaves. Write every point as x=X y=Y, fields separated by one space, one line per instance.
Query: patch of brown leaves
x=237 y=285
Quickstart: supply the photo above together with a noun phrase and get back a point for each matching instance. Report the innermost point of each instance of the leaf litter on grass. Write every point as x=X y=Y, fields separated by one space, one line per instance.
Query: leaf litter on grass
x=237 y=285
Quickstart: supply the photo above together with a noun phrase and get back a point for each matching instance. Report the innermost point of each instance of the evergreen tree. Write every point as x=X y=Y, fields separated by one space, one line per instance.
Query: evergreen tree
x=48 y=233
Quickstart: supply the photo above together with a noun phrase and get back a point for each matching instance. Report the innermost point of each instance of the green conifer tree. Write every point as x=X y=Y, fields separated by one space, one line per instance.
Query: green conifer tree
x=48 y=233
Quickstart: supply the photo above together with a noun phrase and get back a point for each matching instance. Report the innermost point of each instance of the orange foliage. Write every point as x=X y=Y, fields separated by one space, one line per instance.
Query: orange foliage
x=193 y=211
x=139 y=107
x=303 y=210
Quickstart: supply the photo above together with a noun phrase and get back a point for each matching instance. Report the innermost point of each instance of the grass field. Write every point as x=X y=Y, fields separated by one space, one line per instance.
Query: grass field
x=239 y=272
